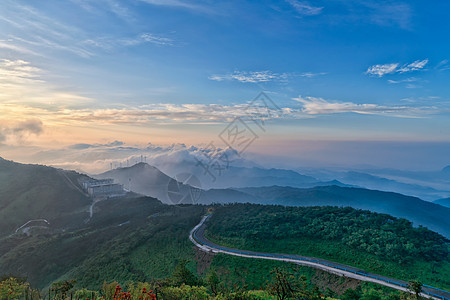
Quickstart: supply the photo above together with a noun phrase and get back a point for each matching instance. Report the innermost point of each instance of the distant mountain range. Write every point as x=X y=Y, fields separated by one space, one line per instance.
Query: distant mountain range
x=31 y=191
x=150 y=181
x=236 y=174
x=379 y=183
x=444 y=202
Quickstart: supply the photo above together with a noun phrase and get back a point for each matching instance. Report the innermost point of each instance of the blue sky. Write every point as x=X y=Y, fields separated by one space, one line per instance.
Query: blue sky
x=170 y=71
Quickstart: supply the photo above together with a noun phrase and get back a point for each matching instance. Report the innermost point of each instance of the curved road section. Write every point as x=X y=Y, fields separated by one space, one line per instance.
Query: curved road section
x=197 y=237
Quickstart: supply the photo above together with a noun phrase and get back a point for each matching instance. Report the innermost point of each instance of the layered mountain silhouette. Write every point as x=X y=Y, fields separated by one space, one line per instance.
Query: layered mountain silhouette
x=147 y=180
x=33 y=192
x=444 y=202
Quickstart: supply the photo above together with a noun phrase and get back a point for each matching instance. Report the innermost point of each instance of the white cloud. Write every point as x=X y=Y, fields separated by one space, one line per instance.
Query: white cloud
x=413 y=86
x=158 y=40
x=161 y=114
x=164 y=114
x=261 y=76
x=23 y=89
x=417 y=65
x=319 y=106
x=443 y=65
x=36 y=32
x=149 y=38
x=14 y=75
x=381 y=70
x=253 y=77
x=10 y=46
x=97 y=158
x=311 y=75
x=411 y=79
x=178 y=4
x=304 y=8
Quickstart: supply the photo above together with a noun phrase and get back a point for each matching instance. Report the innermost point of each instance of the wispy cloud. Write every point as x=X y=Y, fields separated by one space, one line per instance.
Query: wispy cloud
x=381 y=70
x=18 y=71
x=105 y=6
x=389 y=14
x=149 y=38
x=262 y=76
x=81 y=146
x=9 y=45
x=417 y=65
x=191 y=5
x=304 y=8
x=443 y=65
x=23 y=83
x=410 y=83
x=411 y=79
x=427 y=100
x=320 y=106
x=37 y=34
x=312 y=75
x=413 y=86
x=253 y=77
x=161 y=114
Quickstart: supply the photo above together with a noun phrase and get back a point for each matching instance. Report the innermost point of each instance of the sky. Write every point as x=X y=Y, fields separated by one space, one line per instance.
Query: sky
x=310 y=82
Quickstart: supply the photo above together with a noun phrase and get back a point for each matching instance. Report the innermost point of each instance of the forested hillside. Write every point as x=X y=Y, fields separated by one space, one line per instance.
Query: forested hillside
x=418 y=211
x=371 y=241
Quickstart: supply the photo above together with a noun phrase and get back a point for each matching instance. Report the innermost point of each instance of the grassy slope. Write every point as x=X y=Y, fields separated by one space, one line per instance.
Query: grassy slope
x=147 y=247
x=33 y=192
x=229 y=227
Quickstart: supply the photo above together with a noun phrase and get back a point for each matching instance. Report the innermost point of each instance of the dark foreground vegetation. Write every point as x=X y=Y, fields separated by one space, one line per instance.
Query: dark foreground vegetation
x=283 y=284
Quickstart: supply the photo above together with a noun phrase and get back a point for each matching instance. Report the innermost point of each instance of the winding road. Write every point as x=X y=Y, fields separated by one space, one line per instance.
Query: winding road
x=24 y=226
x=197 y=237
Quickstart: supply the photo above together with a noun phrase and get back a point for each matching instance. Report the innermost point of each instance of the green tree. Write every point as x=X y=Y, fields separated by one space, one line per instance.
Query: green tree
x=371 y=294
x=213 y=281
x=415 y=287
x=282 y=284
x=108 y=289
x=182 y=274
x=61 y=288
x=12 y=288
x=351 y=294
x=86 y=294
x=330 y=293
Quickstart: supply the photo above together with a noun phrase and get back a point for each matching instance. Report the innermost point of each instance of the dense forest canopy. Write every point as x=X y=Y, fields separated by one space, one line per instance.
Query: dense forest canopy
x=379 y=234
